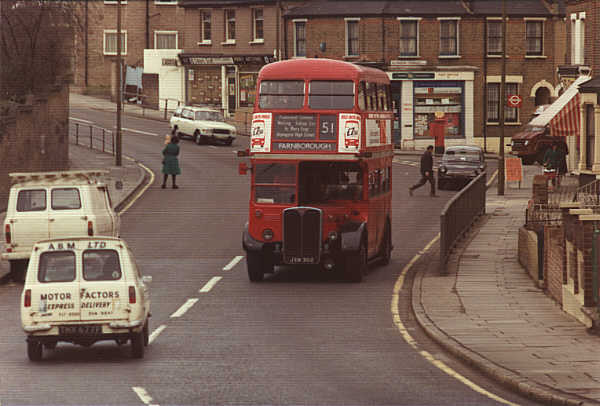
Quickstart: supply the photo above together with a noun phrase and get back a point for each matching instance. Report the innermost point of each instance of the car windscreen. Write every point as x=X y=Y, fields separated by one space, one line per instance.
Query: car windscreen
x=331 y=95
x=281 y=94
x=209 y=116
x=462 y=156
x=274 y=183
x=101 y=265
x=56 y=266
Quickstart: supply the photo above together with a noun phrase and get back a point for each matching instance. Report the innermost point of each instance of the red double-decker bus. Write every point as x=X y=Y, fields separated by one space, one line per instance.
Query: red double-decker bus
x=321 y=157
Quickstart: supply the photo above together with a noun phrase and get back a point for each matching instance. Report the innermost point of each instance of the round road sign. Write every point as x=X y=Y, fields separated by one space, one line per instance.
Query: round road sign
x=514 y=100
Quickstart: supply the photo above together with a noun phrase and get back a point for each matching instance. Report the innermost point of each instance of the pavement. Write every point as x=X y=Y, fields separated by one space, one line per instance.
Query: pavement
x=487 y=310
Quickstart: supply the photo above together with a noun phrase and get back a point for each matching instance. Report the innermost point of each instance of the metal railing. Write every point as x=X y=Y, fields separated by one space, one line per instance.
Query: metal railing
x=92 y=136
x=458 y=216
x=589 y=195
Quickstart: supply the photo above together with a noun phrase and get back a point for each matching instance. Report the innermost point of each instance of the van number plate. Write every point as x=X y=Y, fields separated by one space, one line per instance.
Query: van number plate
x=81 y=330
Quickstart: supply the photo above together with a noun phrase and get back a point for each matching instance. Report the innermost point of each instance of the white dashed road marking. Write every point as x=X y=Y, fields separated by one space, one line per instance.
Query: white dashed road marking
x=184 y=308
x=138 y=131
x=210 y=284
x=155 y=333
x=233 y=263
x=143 y=395
x=81 y=120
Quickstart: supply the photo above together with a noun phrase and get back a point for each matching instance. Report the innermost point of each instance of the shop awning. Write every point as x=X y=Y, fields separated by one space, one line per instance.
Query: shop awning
x=563 y=115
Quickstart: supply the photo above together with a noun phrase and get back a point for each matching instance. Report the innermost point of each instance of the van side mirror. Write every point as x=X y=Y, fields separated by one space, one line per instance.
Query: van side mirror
x=243 y=168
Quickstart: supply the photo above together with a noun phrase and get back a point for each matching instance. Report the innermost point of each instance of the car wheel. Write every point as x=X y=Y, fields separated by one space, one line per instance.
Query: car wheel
x=50 y=345
x=34 y=350
x=137 y=345
x=356 y=264
x=229 y=142
x=254 y=262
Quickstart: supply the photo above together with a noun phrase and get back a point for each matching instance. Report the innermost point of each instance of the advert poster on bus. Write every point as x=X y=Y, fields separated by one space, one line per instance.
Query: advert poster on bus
x=349 y=133
x=260 y=136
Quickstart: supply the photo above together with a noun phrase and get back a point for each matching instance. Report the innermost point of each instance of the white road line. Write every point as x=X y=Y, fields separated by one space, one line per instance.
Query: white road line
x=210 y=284
x=233 y=263
x=81 y=120
x=138 y=131
x=411 y=341
x=142 y=394
x=155 y=333
x=184 y=308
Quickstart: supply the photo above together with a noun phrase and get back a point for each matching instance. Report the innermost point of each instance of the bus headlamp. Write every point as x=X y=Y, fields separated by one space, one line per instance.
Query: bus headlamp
x=267 y=234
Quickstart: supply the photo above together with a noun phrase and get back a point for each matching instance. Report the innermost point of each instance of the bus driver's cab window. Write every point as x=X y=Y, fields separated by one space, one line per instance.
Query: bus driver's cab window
x=321 y=182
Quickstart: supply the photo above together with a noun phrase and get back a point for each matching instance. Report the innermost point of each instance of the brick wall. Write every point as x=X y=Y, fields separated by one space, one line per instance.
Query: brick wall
x=554 y=259
x=528 y=252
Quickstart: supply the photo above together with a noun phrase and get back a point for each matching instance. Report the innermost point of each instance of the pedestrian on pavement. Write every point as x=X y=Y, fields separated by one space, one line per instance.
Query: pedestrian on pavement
x=426 y=172
x=171 y=162
x=552 y=161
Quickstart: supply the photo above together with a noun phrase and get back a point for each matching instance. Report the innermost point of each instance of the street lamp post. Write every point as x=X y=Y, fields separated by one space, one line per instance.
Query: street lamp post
x=502 y=103
x=118 y=149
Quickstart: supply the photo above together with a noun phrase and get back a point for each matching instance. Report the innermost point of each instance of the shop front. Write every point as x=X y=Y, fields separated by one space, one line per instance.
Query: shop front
x=432 y=108
x=224 y=82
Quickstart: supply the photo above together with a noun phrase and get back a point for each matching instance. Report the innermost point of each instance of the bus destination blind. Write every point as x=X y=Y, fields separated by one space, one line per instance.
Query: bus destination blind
x=295 y=127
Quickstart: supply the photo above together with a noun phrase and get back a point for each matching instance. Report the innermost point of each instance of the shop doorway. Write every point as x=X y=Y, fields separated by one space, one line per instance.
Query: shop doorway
x=231 y=93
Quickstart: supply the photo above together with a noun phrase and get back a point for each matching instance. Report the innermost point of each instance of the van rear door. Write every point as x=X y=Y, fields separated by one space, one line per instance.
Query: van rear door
x=104 y=292
x=28 y=218
x=66 y=216
x=55 y=293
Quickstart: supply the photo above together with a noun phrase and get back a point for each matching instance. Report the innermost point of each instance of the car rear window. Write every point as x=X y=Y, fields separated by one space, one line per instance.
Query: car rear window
x=65 y=199
x=56 y=266
x=31 y=200
x=101 y=265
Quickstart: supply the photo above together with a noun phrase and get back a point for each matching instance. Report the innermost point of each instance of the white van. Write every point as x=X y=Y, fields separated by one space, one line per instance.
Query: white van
x=43 y=205
x=84 y=290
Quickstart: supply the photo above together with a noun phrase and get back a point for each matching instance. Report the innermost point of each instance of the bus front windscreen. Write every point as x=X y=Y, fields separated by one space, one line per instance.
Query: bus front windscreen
x=322 y=182
x=281 y=94
x=274 y=183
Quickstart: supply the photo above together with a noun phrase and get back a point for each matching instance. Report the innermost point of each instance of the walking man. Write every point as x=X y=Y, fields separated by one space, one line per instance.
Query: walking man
x=426 y=172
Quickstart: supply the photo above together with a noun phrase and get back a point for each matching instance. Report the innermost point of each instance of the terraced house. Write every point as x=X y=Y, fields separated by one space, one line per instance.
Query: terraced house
x=443 y=57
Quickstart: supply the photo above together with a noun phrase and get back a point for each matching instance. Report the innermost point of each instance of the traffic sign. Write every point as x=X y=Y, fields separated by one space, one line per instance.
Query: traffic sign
x=514 y=100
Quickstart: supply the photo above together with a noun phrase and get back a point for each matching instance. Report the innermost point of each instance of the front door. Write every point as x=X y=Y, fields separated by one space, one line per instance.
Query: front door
x=231 y=91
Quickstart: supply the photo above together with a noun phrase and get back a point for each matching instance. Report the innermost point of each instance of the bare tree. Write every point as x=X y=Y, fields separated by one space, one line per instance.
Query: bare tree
x=36 y=44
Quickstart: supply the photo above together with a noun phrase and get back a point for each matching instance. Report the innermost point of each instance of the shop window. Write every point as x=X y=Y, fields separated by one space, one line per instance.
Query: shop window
x=438 y=103
x=534 y=37
x=247 y=86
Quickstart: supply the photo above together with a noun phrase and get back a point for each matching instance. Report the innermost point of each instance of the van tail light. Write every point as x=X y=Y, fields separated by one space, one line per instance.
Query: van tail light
x=7 y=233
x=90 y=228
x=132 y=298
x=27 y=298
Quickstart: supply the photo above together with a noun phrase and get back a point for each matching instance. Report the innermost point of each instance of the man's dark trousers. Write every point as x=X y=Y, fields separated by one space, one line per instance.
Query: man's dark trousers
x=424 y=179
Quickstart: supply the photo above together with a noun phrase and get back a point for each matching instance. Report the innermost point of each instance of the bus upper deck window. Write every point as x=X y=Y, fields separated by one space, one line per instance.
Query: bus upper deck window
x=281 y=94
x=331 y=95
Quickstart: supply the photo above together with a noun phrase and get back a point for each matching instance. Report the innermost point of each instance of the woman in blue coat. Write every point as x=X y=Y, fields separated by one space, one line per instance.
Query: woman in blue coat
x=171 y=162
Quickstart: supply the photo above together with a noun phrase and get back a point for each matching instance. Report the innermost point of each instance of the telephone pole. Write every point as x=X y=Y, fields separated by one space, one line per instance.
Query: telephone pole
x=118 y=149
x=502 y=104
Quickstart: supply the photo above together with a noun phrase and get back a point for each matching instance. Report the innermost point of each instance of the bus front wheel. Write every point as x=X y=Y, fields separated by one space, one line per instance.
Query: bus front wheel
x=254 y=263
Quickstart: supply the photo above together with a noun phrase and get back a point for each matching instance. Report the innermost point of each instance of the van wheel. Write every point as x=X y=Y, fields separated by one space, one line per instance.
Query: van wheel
x=356 y=264
x=137 y=345
x=254 y=263
x=34 y=350
x=18 y=269
x=146 y=336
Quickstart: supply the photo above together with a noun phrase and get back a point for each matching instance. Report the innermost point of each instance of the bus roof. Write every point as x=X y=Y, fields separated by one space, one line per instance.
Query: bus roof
x=320 y=69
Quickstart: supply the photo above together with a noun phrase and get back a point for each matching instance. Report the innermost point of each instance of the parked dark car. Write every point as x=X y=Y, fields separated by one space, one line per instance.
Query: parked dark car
x=460 y=164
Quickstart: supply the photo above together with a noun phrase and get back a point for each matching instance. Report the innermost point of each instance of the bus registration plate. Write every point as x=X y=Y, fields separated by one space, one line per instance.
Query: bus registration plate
x=301 y=260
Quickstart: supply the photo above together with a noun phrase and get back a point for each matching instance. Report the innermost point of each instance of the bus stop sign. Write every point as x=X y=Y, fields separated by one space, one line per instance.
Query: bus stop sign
x=514 y=100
